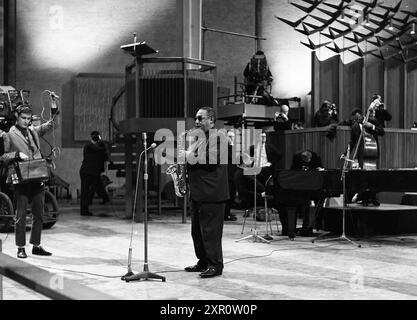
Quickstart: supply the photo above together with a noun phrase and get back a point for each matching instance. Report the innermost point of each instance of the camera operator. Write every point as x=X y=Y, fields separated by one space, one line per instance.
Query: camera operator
x=22 y=143
x=95 y=159
x=379 y=112
x=282 y=121
x=326 y=115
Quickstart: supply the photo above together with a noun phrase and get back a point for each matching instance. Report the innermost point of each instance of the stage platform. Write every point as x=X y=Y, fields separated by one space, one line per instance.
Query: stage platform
x=93 y=251
x=363 y=221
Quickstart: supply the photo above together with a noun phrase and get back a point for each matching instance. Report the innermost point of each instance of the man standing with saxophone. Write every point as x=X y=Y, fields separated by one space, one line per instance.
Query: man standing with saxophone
x=209 y=192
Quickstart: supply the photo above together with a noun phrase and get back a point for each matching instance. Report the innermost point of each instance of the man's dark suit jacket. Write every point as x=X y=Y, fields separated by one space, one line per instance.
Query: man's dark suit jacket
x=94 y=157
x=209 y=182
x=280 y=124
x=382 y=116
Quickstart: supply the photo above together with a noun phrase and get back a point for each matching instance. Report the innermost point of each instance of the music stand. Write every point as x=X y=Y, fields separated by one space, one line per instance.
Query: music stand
x=137 y=50
x=255 y=236
x=343 y=178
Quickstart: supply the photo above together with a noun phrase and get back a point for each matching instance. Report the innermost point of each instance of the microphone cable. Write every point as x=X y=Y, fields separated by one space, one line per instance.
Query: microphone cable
x=55 y=151
x=315 y=248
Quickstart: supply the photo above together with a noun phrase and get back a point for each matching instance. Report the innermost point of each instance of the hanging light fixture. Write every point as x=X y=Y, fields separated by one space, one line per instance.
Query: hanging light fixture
x=390 y=25
x=413 y=28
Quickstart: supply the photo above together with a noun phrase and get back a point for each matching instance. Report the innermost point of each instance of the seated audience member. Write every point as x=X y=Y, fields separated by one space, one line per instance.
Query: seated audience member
x=326 y=115
x=305 y=160
x=282 y=121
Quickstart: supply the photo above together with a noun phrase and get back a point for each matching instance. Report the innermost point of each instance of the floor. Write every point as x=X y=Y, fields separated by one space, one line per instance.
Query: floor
x=93 y=251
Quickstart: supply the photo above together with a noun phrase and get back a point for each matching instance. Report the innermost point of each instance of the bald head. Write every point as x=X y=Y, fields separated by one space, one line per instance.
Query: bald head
x=285 y=109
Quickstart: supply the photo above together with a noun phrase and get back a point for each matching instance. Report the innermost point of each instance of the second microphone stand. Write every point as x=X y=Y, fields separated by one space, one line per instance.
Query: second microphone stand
x=146 y=274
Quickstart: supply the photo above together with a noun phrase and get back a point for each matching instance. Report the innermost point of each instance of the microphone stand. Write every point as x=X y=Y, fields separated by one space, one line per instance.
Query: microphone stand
x=343 y=179
x=146 y=274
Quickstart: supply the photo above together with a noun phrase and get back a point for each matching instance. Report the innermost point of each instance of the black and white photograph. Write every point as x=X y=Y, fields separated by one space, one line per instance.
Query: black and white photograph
x=208 y=157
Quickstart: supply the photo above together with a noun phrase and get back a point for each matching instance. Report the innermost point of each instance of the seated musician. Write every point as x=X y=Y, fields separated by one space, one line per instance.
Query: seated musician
x=266 y=157
x=305 y=160
x=372 y=127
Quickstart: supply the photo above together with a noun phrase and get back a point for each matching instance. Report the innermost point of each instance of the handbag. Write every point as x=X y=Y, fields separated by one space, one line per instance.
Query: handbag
x=38 y=170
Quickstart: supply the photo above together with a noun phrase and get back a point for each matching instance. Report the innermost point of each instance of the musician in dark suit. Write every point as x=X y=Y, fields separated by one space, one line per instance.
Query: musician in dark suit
x=22 y=143
x=304 y=160
x=209 y=192
x=372 y=127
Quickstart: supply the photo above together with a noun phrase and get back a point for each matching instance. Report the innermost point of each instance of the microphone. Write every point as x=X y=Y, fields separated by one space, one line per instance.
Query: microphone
x=152 y=146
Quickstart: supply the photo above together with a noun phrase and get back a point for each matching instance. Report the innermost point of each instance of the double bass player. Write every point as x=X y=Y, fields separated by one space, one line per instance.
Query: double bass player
x=365 y=147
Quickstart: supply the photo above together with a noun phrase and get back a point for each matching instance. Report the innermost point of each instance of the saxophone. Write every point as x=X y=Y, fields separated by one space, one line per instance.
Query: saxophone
x=178 y=171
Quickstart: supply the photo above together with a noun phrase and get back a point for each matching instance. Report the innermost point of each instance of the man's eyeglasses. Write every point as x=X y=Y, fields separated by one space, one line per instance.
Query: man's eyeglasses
x=200 y=118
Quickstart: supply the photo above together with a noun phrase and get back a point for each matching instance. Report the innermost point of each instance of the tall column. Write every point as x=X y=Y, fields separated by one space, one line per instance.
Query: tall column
x=189 y=18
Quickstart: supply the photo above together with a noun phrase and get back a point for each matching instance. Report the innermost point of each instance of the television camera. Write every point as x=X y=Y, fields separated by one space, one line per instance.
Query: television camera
x=10 y=99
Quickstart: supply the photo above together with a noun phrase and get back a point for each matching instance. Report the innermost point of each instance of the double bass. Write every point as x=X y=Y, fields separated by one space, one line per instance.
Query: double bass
x=370 y=146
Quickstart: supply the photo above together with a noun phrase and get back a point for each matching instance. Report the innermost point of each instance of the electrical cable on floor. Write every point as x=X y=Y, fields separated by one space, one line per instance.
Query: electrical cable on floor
x=181 y=270
x=80 y=272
